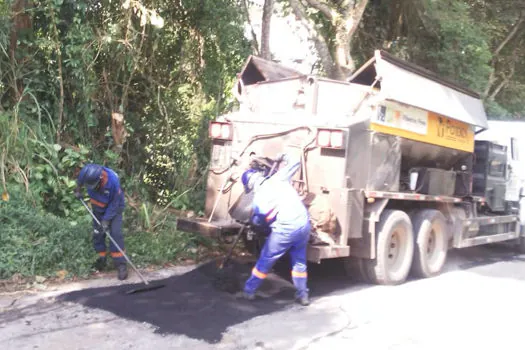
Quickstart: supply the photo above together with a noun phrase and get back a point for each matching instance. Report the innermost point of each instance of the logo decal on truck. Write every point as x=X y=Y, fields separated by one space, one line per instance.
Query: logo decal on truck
x=452 y=130
x=409 y=119
x=419 y=125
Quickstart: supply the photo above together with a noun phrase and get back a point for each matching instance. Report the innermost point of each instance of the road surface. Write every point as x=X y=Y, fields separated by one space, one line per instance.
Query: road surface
x=477 y=303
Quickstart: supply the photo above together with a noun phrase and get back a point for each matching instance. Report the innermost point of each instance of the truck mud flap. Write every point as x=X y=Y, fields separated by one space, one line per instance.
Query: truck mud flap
x=209 y=229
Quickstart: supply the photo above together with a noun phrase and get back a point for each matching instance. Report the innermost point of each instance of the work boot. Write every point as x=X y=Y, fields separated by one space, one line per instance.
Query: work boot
x=248 y=296
x=122 y=271
x=100 y=263
x=304 y=300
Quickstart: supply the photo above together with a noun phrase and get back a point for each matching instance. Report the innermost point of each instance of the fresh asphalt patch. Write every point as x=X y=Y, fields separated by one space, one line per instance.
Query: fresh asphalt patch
x=190 y=305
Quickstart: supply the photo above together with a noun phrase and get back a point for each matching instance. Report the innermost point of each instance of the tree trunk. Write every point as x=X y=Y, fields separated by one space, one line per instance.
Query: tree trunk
x=118 y=131
x=21 y=20
x=395 y=20
x=58 y=49
x=343 y=62
x=265 y=29
x=320 y=43
x=344 y=17
x=254 y=42
x=353 y=18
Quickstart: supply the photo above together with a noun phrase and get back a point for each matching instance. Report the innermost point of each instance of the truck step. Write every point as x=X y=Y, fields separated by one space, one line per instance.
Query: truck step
x=417 y=197
x=474 y=241
x=491 y=220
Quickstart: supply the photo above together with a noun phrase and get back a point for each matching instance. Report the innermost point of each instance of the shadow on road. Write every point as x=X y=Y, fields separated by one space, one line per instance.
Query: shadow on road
x=190 y=305
x=476 y=258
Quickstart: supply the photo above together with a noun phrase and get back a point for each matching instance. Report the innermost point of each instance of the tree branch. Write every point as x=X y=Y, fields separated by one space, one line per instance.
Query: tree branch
x=356 y=17
x=503 y=83
x=324 y=8
x=255 y=43
x=510 y=35
x=490 y=82
x=347 y=6
x=345 y=32
x=58 y=49
x=124 y=98
x=320 y=43
x=506 y=79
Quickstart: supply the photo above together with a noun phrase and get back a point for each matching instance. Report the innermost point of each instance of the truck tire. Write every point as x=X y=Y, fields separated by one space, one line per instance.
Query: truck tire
x=355 y=268
x=520 y=245
x=431 y=243
x=394 y=249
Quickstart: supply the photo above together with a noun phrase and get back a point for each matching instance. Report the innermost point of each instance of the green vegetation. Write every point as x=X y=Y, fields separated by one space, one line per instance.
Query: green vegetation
x=477 y=43
x=35 y=242
x=129 y=84
x=132 y=84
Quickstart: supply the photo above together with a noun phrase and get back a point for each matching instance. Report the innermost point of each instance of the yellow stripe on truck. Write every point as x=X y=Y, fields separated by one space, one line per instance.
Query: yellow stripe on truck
x=419 y=125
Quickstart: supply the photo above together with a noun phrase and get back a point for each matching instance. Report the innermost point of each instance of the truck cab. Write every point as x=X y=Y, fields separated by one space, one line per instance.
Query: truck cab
x=510 y=135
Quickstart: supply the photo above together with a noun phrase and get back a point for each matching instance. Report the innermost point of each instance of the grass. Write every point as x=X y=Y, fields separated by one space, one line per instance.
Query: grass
x=37 y=243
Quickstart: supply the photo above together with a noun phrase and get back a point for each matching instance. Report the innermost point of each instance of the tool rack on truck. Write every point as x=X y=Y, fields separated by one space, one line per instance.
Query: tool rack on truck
x=392 y=173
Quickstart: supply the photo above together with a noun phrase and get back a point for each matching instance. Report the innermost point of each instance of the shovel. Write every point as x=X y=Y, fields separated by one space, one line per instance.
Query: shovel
x=148 y=286
x=226 y=280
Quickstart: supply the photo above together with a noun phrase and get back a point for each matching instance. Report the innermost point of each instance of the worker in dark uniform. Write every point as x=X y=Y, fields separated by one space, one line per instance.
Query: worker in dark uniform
x=107 y=202
x=277 y=206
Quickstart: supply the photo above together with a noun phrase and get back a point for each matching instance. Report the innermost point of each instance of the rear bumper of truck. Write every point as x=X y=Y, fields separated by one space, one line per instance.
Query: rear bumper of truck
x=216 y=229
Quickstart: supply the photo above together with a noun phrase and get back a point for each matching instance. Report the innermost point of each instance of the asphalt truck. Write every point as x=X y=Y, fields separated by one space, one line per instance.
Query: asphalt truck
x=395 y=170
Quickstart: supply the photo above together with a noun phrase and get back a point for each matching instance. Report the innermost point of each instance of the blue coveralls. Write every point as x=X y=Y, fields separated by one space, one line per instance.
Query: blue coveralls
x=108 y=204
x=277 y=204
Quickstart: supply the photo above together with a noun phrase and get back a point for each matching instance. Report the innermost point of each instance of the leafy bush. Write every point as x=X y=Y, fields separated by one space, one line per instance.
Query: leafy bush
x=35 y=242
x=87 y=64
x=51 y=178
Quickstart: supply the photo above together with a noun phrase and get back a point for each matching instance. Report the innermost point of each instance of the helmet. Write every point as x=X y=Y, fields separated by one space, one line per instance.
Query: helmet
x=248 y=179
x=90 y=175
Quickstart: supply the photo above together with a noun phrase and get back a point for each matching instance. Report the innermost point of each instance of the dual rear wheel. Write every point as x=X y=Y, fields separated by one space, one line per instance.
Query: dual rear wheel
x=415 y=244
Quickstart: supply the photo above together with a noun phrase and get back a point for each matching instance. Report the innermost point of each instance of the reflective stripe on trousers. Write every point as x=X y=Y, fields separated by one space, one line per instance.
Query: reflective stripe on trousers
x=275 y=247
x=99 y=238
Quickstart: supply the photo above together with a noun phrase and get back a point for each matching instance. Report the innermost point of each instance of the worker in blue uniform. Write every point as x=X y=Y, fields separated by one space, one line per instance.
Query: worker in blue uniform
x=107 y=202
x=277 y=206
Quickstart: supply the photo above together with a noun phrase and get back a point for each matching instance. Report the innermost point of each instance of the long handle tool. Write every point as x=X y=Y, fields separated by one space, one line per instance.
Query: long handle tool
x=228 y=256
x=226 y=279
x=146 y=282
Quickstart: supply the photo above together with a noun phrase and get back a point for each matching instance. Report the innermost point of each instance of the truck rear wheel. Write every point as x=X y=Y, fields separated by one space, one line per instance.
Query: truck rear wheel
x=520 y=242
x=430 y=253
x=356 y=269
x=394 y=249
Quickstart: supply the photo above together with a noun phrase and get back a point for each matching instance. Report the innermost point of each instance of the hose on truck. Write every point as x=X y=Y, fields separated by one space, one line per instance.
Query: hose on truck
x=250 y=141
x=256 y=138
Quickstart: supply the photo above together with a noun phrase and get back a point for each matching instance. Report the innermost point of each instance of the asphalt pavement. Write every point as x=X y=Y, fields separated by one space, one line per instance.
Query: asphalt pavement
x=475 y=303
